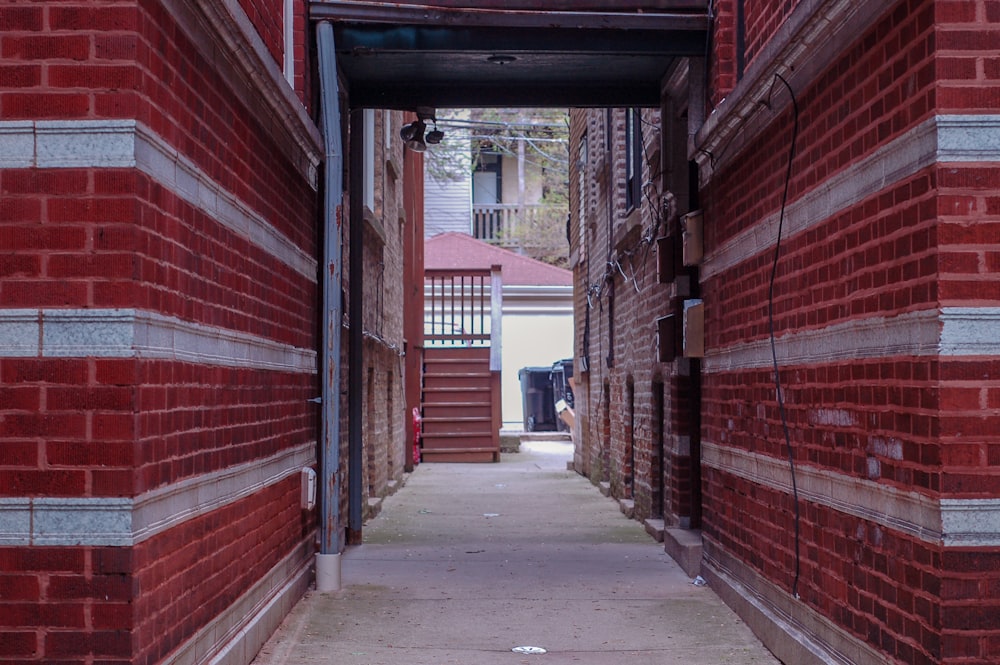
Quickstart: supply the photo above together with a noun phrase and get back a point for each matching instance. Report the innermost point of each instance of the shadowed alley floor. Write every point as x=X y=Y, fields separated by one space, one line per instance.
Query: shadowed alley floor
x=468 y=561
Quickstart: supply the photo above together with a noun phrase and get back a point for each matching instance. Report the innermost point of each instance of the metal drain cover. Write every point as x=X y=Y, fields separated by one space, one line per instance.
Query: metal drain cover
x=531 y=650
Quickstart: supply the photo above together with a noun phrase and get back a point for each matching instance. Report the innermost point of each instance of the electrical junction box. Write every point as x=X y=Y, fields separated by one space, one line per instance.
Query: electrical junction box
x=694 y=328
x=693 y=237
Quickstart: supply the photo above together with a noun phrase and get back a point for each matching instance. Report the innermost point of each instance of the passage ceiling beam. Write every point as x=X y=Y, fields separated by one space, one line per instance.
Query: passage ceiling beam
x=696 y=18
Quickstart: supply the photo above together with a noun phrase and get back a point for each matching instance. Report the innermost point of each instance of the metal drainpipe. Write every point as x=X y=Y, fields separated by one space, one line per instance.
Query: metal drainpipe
x=328 y=565
x=355 y=339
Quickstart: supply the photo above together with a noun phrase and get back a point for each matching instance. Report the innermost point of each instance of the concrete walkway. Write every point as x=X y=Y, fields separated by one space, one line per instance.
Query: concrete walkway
x=467 y=562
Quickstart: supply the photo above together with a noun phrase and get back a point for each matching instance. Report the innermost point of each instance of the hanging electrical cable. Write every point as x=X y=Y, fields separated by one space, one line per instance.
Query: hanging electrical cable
x=770 y=321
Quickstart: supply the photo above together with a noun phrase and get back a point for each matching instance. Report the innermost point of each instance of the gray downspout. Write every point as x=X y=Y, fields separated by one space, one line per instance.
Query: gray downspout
x=355 y=340
x=328 y=563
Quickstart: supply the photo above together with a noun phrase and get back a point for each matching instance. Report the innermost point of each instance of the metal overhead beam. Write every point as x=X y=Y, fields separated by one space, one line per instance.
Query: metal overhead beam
x=363 y=39
x=489 y=96
x=510 y=52
x=696 y=18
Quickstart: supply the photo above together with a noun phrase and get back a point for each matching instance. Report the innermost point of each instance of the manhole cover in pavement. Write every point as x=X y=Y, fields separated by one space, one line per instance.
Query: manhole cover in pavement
x=533 y=650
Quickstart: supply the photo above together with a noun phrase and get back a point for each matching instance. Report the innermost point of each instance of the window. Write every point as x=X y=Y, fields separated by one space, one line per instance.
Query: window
x=633 y=159
x=369 y=168
x=487 y=183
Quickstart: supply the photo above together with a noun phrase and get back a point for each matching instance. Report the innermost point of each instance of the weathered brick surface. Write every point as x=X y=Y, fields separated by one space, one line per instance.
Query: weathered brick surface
x=631 y=406
x=880 y=586
x=385 y=423
x=101 y=238
x=909 y=250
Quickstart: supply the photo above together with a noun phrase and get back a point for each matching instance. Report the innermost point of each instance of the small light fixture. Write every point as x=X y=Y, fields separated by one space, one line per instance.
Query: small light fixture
x=501 y=59
x=412 y=134
x=434 y=136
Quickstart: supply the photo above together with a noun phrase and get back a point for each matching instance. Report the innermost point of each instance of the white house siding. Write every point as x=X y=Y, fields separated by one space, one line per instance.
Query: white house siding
x=537 y=331
x=447 y=204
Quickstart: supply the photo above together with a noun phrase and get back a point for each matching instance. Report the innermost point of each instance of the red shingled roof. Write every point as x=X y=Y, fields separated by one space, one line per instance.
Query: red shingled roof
x=458 y=250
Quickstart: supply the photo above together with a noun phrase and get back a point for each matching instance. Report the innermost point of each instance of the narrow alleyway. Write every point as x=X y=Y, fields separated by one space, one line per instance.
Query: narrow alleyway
x=468 y=561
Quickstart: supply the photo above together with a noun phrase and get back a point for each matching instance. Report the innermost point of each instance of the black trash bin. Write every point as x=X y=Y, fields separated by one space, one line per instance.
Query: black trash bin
x=562 y=372
x=536 y=399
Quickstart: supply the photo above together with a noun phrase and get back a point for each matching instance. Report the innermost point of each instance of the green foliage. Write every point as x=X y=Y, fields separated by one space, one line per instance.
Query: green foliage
x=543 y=135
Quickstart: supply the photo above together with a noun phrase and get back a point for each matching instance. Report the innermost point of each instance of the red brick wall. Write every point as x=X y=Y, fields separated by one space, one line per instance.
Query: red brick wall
x=762 y=19
x=95 y=238
x=214 y=559
x=52 y=450
x=628 y=436
x=969 y=605
x=722 y=57
x=267 y=18
x=57 y=588
x=966 y=63
x=913 y=423
x=876 y=584
x=196 y=420
x=135 y=605
x=129 y=60
x=969 y=218
x=969 y=423
x=894 y=419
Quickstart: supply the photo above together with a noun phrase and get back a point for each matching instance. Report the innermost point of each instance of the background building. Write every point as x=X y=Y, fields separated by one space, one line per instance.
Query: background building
x=501 y=177
x=537 y=308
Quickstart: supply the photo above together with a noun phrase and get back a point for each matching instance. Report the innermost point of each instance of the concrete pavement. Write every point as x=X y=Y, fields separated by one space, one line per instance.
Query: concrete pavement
x=467 y=562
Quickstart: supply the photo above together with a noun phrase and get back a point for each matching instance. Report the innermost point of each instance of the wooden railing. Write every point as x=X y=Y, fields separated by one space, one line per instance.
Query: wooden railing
x=498 y=223
x=461 y=402
x=463 y=308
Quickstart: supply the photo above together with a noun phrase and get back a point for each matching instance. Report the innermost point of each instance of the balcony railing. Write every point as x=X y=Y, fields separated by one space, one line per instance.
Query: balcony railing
x=463 y=308
x=499 y=223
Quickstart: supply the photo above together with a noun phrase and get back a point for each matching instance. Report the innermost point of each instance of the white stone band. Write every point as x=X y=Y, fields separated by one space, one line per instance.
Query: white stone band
x=951 y=522
x=952 y=331
x=83 y=521
x=55 y=144
x=941 y=139
x=129 y=333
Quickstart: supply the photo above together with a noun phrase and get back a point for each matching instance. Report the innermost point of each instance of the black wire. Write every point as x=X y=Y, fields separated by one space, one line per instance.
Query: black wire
x=645 y=241
x=770 y=320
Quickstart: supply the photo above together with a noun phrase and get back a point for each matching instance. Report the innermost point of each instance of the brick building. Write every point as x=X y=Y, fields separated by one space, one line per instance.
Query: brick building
x=181 y=245
x=844 y=169
x=161 y=189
